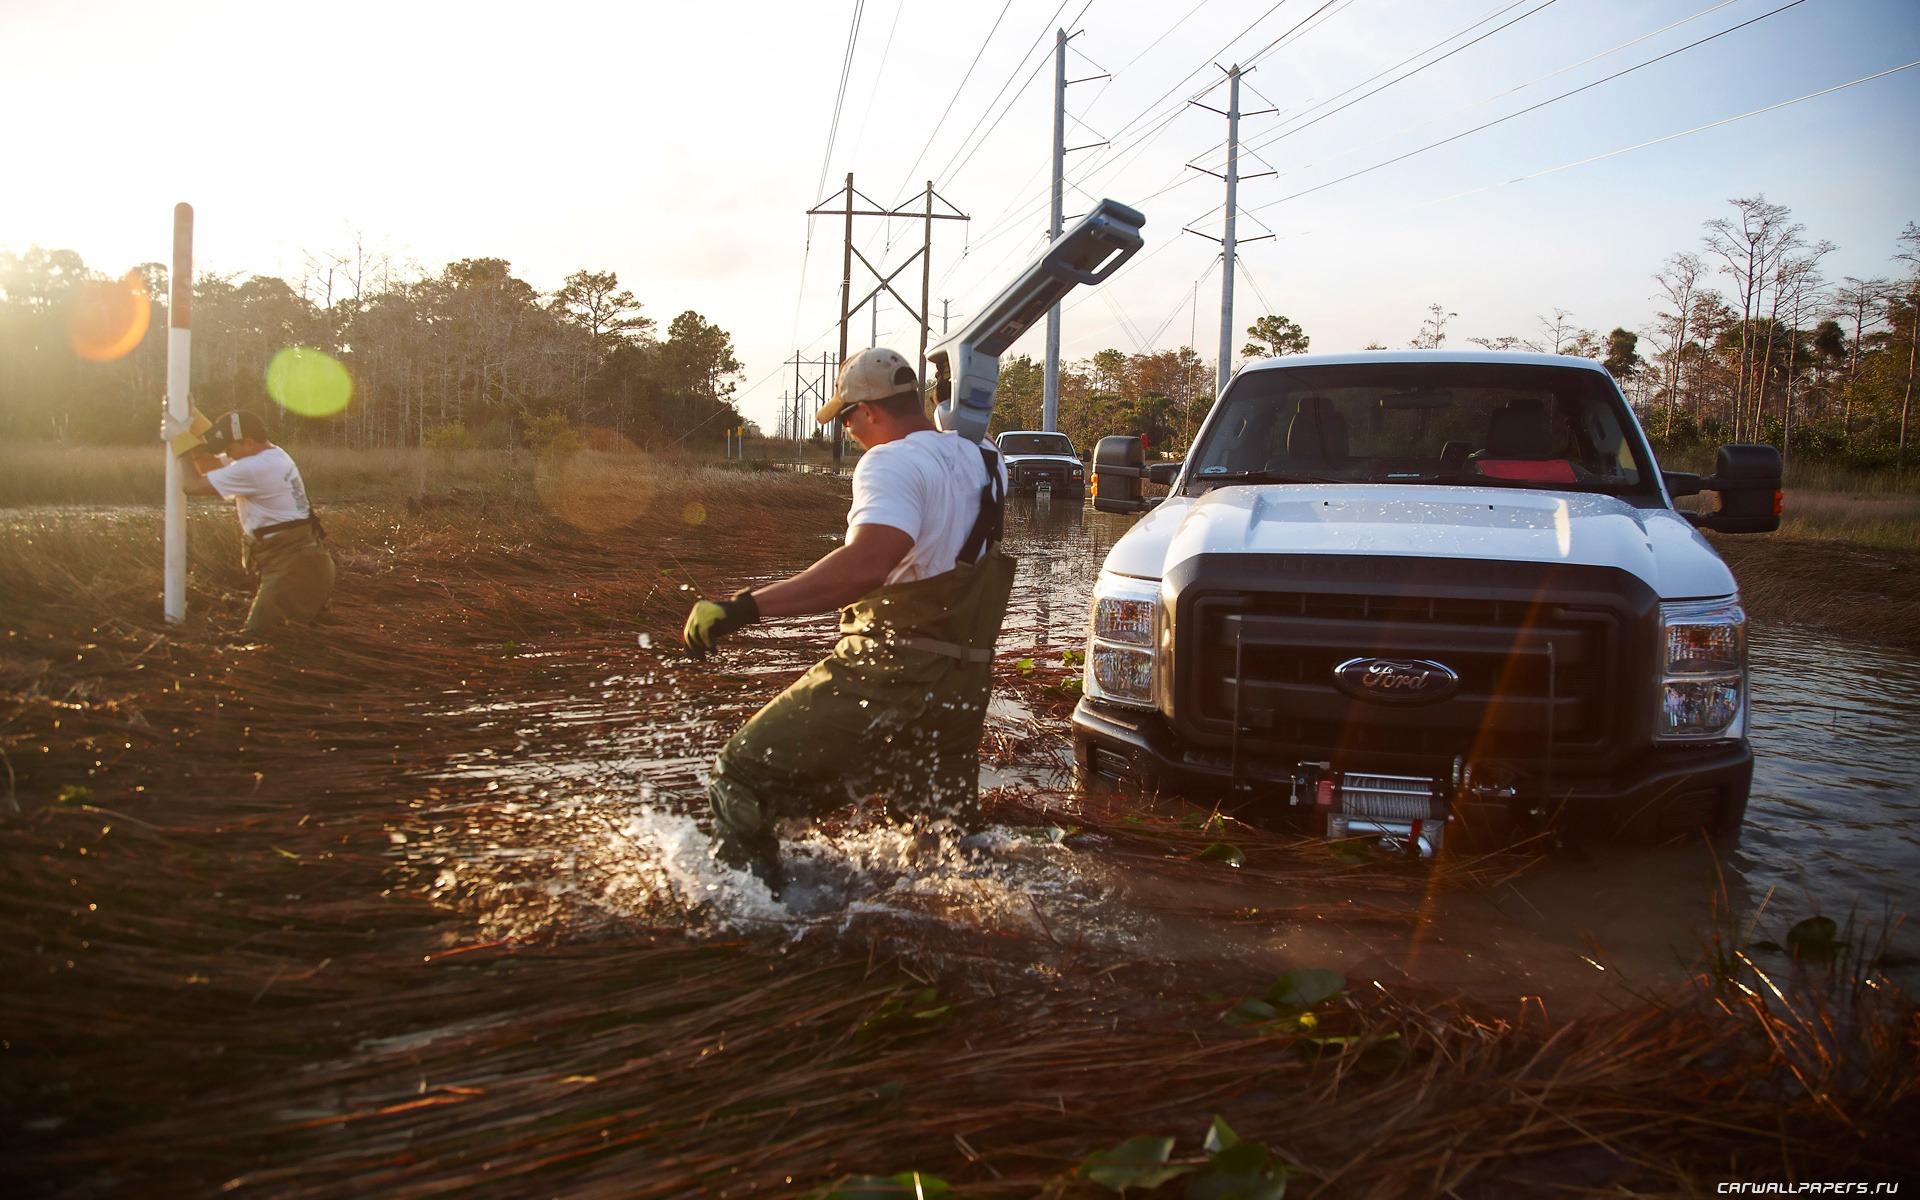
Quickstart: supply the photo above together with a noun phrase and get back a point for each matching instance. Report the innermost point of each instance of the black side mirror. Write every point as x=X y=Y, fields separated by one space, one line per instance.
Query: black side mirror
x=1748 y=480
x=1119 y=468
x=1163 y=473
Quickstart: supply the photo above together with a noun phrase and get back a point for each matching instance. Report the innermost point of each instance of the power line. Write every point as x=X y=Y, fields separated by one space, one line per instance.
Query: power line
x=1840 y=87
x=1521 y=87
x=956 y=92
x=1530 y=108
x=1410 y=74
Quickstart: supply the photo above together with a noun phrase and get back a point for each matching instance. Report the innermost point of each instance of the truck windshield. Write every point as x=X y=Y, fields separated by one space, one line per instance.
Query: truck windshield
x=1481 y=423
x=1034 y=443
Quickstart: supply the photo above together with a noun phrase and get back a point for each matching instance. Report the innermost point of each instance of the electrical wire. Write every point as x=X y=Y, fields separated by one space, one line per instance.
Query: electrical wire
x=1410 y=74
x=1530 y=108
x=944 y=113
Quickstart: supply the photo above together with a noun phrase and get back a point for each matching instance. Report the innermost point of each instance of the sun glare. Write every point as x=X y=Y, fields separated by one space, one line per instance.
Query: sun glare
x=109 y=317
x=308 y=382
x=601 y=485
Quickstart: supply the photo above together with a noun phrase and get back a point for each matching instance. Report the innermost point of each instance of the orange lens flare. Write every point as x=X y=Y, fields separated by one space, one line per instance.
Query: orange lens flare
x=109 y=317
x=602 y=485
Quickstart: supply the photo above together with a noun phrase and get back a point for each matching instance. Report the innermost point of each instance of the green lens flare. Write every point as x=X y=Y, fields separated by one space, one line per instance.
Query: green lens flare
x=308 y=382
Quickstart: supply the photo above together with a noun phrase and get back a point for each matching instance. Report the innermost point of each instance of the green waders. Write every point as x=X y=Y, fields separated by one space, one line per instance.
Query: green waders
x=896 y=709
x=296 y=578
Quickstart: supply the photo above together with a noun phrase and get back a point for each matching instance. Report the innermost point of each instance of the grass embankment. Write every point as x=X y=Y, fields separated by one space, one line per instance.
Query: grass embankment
x=224 y=976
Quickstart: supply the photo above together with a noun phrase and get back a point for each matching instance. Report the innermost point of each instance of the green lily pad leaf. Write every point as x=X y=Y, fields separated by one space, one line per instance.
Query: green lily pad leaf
x=1351 y=853
x=1244 y=1171
x=1073 y=658
x=1250 y=1012
x=1813 y=938
x=1225 y=852
x=1023 y=665
x=1220 y=1136
x=1305 y=988
x=1137 y=1162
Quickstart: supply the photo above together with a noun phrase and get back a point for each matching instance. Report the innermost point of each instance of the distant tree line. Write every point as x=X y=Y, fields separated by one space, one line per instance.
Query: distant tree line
x=471 y=356
x=1824 y=370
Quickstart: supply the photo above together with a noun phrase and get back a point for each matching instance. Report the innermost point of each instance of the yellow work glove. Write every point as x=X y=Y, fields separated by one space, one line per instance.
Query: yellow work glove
x=712 y=620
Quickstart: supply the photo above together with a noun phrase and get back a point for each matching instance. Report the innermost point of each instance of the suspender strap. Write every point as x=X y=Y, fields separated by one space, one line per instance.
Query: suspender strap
x=990 y=525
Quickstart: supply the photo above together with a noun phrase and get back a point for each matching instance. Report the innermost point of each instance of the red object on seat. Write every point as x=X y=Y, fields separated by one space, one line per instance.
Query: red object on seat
x=1550 y=470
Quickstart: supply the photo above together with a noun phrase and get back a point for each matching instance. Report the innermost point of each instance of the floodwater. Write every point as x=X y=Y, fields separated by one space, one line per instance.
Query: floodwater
x=589 y=811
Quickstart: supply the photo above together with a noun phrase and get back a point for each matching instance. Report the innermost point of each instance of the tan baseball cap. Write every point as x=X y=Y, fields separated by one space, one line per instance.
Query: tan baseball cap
x=872 y=374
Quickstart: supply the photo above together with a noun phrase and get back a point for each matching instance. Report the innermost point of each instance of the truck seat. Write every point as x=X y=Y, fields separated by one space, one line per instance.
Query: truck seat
x=1520 y=446
x=1317 y=433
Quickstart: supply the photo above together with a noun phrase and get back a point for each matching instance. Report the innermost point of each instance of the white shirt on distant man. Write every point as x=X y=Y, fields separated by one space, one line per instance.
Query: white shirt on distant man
x=265 y=487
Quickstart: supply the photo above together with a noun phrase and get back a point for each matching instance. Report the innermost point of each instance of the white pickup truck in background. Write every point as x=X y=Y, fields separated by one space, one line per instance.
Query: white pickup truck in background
x=1426 y=596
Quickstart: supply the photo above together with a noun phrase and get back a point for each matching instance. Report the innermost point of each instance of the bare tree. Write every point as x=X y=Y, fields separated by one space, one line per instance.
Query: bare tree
x=1680 y=283
x=1564 y=337
x=1750 y=247
x=1797 y=290
x=1433 y=330
x=1861 y=303
x=1910 y=254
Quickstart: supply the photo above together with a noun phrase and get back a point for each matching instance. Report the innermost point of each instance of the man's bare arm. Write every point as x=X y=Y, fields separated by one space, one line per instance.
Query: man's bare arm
x=193 y=480
x=840 y=577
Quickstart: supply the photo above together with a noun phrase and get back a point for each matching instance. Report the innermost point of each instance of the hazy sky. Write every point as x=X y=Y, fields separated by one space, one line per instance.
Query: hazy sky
x=680 y=146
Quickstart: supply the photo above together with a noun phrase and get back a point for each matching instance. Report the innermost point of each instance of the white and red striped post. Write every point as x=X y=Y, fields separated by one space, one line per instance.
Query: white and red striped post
x=179 y=409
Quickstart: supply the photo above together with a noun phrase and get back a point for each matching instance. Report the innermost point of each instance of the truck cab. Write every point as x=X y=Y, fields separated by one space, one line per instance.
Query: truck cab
x=1420 y=595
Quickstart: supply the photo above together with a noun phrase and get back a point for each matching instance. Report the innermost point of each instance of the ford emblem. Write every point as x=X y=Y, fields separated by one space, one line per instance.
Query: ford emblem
x=1396 y=680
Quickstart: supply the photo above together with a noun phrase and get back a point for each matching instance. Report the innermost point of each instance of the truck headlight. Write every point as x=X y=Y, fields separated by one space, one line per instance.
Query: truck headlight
x=1120 y=645
x=1703 y=671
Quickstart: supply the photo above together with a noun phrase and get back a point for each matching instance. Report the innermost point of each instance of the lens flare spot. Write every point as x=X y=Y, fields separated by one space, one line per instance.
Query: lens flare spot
x=694 y=513
x=109 y=317
x=599 y=483
x=308 y=382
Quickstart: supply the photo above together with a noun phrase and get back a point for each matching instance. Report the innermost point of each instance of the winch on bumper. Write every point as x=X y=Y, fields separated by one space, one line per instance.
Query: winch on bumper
x=1664 y=790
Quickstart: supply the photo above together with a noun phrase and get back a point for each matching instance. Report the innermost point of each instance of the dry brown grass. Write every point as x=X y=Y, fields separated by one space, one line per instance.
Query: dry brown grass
x=1882 y=520
x=221 y=979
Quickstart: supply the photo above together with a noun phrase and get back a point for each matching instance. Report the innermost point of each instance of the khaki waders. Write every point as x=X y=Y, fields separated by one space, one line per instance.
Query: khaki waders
x=296 y=577
x=897 y=709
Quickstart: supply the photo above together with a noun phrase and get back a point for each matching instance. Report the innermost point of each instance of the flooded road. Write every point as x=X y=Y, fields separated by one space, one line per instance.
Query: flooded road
x=589 y=810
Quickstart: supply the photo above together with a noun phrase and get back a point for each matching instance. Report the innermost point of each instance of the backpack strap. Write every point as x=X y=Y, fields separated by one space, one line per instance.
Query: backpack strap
x=990 y=525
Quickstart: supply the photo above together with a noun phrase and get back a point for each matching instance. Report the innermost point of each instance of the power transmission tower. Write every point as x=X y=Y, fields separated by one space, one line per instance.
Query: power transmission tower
x=1050 y=396
x=884 y=279
x=811 y=390
x=1229 y=243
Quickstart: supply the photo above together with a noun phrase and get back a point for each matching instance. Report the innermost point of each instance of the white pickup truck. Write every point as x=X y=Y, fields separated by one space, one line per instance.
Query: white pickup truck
x=1424 y=596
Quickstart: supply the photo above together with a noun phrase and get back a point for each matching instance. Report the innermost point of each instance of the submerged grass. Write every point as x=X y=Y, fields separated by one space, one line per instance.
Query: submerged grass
x=223 y=977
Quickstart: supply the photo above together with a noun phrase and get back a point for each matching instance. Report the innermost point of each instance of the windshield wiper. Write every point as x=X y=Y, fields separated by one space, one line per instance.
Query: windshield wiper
x=1262 y=477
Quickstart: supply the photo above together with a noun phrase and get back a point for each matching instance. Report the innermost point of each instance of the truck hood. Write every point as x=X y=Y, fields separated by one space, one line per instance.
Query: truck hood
x=1422 y=521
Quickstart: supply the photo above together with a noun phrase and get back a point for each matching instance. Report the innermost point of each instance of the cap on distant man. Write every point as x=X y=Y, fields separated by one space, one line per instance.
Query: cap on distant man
x=876 y=374
x=234 y=426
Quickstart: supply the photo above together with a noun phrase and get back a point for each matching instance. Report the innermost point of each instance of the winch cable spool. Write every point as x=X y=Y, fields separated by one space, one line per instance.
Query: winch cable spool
x=966 y=367
x=1391 y=798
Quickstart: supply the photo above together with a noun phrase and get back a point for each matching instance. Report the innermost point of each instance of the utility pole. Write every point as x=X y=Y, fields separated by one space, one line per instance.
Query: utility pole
x=1050 y=395
x=1229 y=243
x=884 y=279
x=173 y=591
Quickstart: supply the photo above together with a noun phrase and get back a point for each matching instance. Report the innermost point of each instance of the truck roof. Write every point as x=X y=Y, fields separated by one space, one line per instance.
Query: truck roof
x=1353 y=357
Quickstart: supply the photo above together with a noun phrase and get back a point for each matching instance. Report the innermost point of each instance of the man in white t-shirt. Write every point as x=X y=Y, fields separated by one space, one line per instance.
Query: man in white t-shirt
x=921 y=584
x=280 y=538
